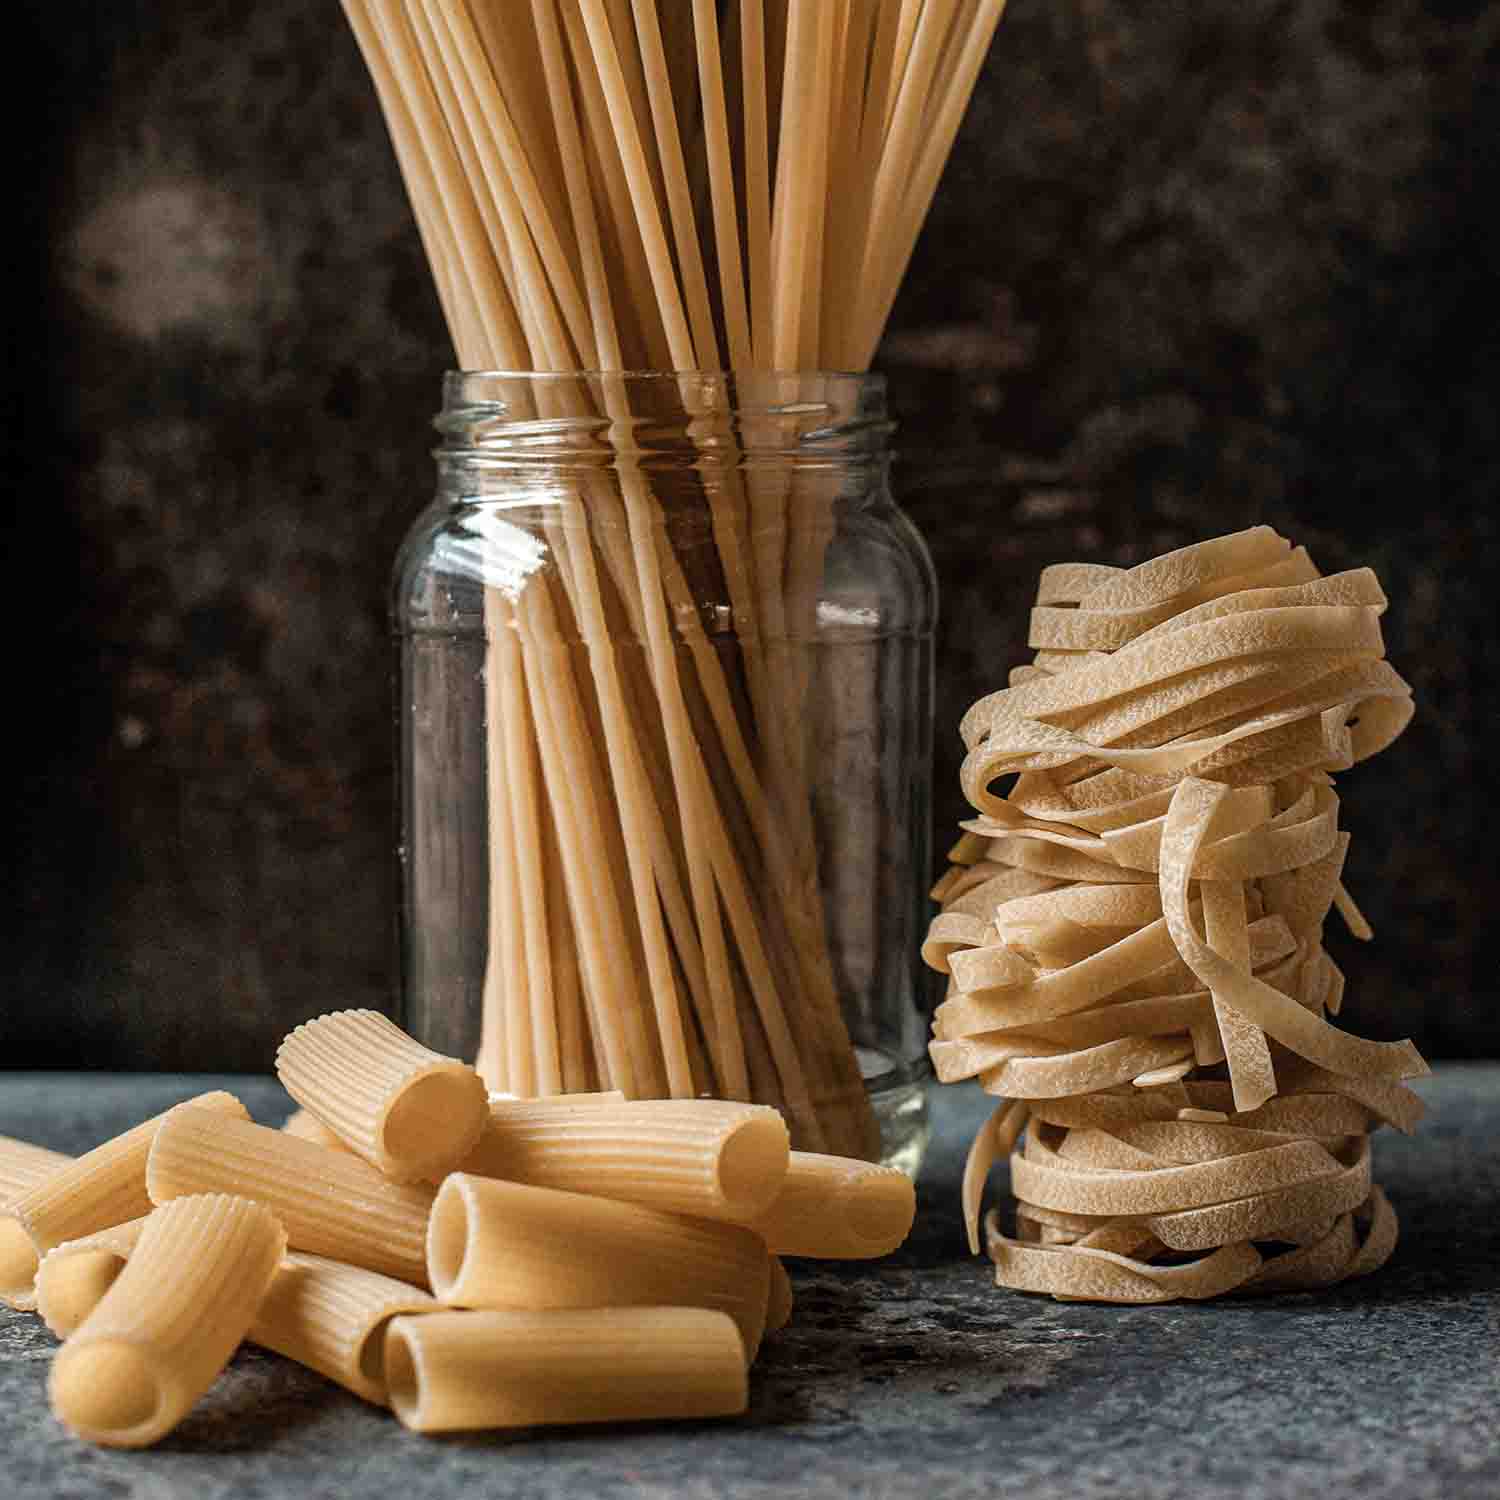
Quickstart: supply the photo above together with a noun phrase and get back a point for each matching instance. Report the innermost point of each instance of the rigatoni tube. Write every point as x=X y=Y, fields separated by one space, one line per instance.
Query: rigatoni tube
x=701 y=1157
x=332 y=1318
x=838 y=1209
x=74 y=1276
x=23 y=1165
x=105 y=1186
x=331 y=1202
x=408 y=1110
x=505 y=1244
x=170 y=1322
x=456 y=1370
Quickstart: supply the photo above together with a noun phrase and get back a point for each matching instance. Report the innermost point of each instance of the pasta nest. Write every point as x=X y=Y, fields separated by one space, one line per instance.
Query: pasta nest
x=1132 y=931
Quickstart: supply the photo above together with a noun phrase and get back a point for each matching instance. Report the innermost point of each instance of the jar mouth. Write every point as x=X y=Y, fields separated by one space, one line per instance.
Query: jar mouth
x=687 y=415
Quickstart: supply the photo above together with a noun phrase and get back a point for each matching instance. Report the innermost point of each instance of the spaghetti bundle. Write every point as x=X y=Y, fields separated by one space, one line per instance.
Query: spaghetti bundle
x=669 y=185
x=1132 y=934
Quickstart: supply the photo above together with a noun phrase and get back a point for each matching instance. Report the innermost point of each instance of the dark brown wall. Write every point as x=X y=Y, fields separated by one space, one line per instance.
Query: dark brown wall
x=1194 y=266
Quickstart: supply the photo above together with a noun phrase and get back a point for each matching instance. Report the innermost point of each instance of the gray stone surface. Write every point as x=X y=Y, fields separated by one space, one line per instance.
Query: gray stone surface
x=912 y=1377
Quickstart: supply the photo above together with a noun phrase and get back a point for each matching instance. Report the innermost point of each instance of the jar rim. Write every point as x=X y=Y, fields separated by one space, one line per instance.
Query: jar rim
x=763 y=413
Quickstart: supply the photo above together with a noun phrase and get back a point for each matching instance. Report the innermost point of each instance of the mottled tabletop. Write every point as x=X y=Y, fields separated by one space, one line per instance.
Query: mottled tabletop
x=913 y=1376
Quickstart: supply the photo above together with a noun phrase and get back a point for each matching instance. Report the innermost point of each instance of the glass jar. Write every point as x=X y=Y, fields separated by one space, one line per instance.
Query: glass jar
x=665 y=741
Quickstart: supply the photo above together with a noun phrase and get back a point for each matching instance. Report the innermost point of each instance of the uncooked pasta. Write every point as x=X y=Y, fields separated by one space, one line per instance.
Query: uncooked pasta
x=1132 y=931
x=679 y=186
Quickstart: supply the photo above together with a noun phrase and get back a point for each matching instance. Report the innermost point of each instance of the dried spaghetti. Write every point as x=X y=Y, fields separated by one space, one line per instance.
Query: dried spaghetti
x=1132 y=933
x=671 y=185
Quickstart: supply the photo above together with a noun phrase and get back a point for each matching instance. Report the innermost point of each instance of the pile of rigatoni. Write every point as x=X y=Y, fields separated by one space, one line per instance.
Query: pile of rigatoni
x=468 y=1261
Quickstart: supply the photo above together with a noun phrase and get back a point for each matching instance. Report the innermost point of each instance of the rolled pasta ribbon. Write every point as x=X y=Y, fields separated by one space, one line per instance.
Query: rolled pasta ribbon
x=23 y=1166
x=74 y=1276
x=701 y=1157
x=453 y=1371
x=834 y=1208
x=407 y=1110
x=506 y=1244
x=169 y=1323
x=105 y=1186
x=332 y=1203
x=333 y=1318
x=1146 y=902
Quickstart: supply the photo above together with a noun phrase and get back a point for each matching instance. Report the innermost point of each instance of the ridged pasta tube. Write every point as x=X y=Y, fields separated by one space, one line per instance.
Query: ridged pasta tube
x=458 y=1370
x=23 y=1165
x=105 y=1186
x=322 y=1313
x=702 y=1157
x=505 y=1244
x=408 y=1110
x=306 y=1126
x=333 y=1318
x=837 y=1209
x=170 y=1322
x=779 y=1299
x=331 y=1202
x=74 y=1276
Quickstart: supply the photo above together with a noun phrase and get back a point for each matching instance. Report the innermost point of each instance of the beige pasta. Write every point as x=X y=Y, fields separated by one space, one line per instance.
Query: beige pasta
x=1146 y=902
x=331 y=1202
x=409 y=1111
x=74 y=1276
x=333 y=1318
x=453 y=1371
x=105 y=1186
x=699 y=1157
x=169 y=1324
x=506 y=1244
x=306 y=1126
x=837 y=1209
x=23 y=1166
x=780 y=1299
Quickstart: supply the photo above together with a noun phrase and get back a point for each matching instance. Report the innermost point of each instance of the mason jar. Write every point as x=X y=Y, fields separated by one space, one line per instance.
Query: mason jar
x=665 y=716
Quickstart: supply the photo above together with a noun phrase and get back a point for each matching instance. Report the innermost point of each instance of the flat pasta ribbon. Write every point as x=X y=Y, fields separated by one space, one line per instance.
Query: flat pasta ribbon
x=1132 y=931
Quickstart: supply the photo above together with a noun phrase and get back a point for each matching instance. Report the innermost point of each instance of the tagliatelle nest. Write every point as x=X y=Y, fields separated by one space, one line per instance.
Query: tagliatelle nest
x=1133 y=932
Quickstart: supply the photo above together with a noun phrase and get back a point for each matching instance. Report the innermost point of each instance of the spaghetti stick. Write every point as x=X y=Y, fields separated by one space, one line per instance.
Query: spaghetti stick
x=721 y=181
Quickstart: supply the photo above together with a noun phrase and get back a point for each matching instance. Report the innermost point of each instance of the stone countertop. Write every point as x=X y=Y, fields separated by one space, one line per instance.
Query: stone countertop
x=911 y=1377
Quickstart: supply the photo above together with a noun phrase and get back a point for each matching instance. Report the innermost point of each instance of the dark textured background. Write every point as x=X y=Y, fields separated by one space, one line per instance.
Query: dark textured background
x=1194 y=266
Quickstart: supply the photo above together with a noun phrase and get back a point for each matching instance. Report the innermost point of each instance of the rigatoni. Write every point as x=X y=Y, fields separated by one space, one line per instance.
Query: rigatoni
x=700 y=1157
x=457 y=1370
x=779 y=1297
x=332 y=1318
x=169 y=1323
x=331 y=1202
x=74 y=1276
x=23 y=1165
x=406 y=1109
x=504 y=1244
x=837 y=1209
x=105 y=1186
x=306 y=1126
